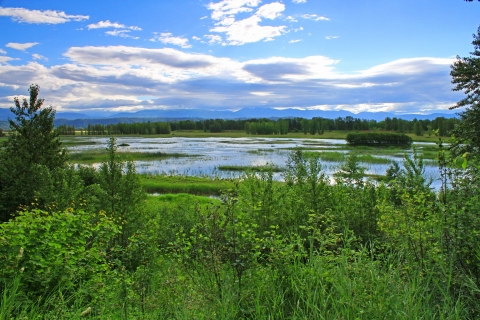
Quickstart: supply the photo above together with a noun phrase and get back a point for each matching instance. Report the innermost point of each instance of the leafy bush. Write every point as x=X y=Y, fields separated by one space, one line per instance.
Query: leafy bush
x=50 y=249
x=375 y=138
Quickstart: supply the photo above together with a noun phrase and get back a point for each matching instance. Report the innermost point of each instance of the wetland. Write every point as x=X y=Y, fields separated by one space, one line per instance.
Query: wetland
x=216 y=158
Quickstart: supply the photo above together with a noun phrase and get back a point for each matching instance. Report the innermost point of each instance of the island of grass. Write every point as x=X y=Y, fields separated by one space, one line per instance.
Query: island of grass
x=378 y=138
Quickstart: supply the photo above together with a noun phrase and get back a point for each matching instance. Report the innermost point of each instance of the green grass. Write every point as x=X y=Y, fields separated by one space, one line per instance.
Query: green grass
x=172 y=201
x=334 y=134
x=341 y=157
x=95 y=156
x=250 y=168
x=184 y=184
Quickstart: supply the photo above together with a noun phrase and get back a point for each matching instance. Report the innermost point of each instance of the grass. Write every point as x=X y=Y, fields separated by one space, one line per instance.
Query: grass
x=250 y=168
x=334 y=134
x=184 y=184
x=172 y=201
x=341 y=157
x=96 y=156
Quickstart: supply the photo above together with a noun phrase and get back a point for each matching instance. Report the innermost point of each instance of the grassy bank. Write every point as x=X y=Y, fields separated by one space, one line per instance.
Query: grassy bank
x=96 y=156
x=184 y=184
x=337 y=134
x=250 y=168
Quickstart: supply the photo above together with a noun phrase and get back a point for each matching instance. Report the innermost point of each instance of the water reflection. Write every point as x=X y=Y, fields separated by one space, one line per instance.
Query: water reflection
x=208 y=154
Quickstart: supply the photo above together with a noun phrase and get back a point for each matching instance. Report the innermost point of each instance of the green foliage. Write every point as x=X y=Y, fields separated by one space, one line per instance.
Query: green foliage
x=375 y=138
x=121 y=196
x=31 y=151
x=65 y=248
x=350 y=173
x=465 y=75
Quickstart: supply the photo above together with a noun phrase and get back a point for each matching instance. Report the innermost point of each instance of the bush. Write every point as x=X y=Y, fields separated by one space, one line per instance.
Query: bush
x=374 y=138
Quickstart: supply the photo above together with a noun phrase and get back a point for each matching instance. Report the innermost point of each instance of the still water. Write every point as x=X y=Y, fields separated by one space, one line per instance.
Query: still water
x=205 y=155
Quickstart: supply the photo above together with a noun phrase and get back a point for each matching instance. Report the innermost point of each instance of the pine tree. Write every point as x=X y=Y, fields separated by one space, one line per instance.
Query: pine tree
x=466 y=77
x=32 y=150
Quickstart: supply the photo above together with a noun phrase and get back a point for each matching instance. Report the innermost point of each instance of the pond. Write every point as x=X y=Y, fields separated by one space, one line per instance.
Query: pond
x=205 y=156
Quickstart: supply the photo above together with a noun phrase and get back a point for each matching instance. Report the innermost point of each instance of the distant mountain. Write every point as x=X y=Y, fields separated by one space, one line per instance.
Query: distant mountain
x=4 y=125
x=82 y=119
x=5 y=113
x=270 y=113
x=71 y=115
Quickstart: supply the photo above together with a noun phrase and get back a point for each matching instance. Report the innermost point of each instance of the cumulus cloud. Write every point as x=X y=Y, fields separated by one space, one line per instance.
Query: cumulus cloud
x=4 y=59
x=39 y=16
x=314 y=17
x=37 y=56
x=229 y=8
x=291 y=19
x=126 y=56
x=108 y=24
x=114 y=77
x=294 y=41
x=248 y=30
x=21 y=46
x=299 y=1
x=271 y=11
x=331 y=37
x=120 y=33
x=279 y=69
x=3 y=51
x=168 y=38
x=213 y=39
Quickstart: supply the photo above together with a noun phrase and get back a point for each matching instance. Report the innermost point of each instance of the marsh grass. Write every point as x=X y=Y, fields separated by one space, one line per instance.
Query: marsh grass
x=184 y=184
x=342 y=157
x=95 y=156
x=250 y=168
x=334 y=134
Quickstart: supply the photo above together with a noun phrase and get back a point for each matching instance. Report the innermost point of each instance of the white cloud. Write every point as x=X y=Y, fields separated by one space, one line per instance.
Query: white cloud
x=39 y=16
x=168 y=38
x=115 y=76
x=21 y=46
x=204 y=17
x=331 y=37
x=168 y=60
x=248 y=30
x=120 y=33
x=294 y=41
x=291 y=19
x=271 y=11
x=280 y=69
x=212 y=39
x=315 y=17
x=37 y=56
x=108 y=24
x=196 y=38
x=4 y=59
x=299 y=1
x=3 y=51
x=228 y=8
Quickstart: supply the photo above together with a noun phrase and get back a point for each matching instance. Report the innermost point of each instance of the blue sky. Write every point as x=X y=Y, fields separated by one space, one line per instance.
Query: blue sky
x=105 y=55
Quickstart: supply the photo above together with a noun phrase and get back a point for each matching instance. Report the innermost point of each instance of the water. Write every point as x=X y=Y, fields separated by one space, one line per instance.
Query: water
x=207 y=154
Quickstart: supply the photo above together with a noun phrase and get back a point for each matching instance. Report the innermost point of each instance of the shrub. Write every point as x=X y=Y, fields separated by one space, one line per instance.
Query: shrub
x=375 y=138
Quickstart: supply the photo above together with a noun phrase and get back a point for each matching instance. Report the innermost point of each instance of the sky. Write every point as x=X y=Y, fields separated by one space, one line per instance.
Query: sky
x=126 y=56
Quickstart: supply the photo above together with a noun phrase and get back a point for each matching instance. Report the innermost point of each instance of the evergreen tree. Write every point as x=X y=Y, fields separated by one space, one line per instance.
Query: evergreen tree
x=466 y=77
x=32 y=150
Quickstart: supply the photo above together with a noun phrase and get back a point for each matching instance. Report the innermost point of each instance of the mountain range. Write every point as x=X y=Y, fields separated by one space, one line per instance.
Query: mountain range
x=82 y=119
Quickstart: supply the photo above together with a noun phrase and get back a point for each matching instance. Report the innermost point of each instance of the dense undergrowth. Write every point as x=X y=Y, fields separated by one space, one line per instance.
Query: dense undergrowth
x=93 y=246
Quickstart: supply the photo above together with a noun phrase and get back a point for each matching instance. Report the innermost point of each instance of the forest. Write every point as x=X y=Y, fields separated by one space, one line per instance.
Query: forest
x=313 y=126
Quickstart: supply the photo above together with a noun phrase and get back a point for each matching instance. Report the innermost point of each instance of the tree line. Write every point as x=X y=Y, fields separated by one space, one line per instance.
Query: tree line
x=441 y=126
